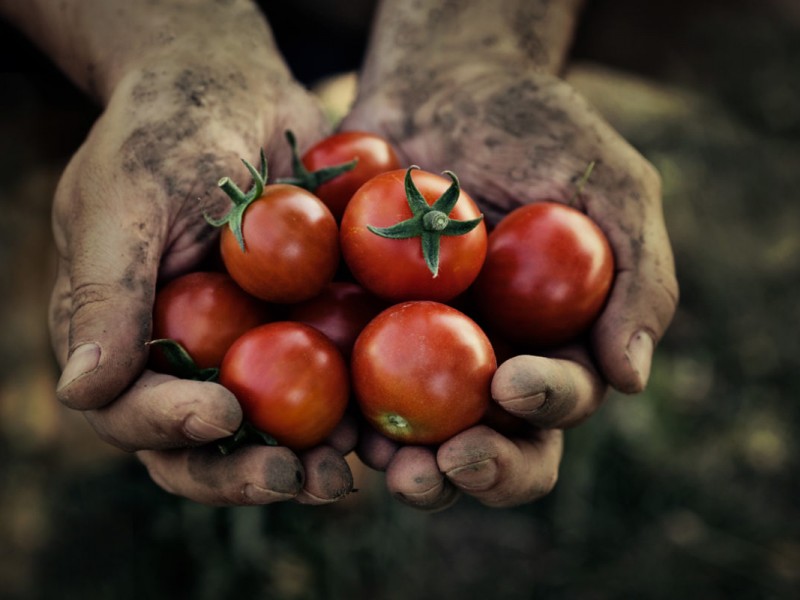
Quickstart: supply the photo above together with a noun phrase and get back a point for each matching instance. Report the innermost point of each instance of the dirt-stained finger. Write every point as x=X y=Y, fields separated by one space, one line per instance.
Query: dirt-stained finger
x=502 y=472
x=251 y=475
x=161 y=412
x=547 y=391
x=413 y=477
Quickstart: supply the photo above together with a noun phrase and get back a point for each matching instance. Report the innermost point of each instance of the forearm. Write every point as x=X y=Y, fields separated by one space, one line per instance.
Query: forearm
x=96 y=42
x=438 y=34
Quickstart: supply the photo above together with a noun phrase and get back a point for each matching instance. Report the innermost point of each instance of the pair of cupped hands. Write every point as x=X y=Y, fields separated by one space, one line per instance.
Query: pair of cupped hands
x=129 y=213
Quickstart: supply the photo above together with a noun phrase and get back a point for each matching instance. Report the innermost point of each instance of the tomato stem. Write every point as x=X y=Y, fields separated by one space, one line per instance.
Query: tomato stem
x=311 y=180
x=435 y=220
x=429 y=222
x=581 y=183
x=395 y=425
x=241 y=200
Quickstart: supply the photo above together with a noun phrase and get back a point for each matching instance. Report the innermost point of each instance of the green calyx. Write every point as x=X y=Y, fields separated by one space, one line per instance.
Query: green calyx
x=181 y=363
x=429 y=222
x=241 y=200
x=247 y=435
x=311 y=180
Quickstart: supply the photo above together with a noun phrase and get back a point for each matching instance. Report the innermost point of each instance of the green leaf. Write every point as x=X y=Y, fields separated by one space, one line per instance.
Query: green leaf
x=455 y=227
x=246 y=435
x=430 y=250
x=399 y=231
x=416 y=201
x=181 y=362
x=311 y=180
x=447 y=201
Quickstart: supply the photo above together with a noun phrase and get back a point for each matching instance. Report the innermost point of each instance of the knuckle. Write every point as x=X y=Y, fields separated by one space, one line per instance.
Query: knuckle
x=88 y=294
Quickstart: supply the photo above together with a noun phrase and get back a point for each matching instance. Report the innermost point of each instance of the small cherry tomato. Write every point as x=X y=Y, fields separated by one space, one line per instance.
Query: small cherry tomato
x=290 y=380
x=422 y=372
x=413 y=235
x=282 y=241
x=548 y=272
x=205 y=312
x=341 y=311
x=371 y=153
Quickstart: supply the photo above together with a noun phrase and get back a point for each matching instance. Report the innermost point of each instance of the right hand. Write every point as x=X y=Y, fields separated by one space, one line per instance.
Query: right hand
x=514 y=137
x=128 y=213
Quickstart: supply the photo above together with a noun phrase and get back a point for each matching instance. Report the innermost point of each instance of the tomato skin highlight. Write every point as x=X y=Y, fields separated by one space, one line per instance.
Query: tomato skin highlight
x=375 y=156
x=340 y=312
x=548 y=272
x=290 y=380
x=422 y=372
x=205 y=312
x=395 y=269
x=291 y=246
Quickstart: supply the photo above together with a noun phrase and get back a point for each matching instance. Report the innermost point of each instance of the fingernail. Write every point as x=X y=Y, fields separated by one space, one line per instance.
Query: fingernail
x=203 y=431
x=640 y=355
x=84 y=359
x=525 y=404
x=475 y=476
x=261 y=495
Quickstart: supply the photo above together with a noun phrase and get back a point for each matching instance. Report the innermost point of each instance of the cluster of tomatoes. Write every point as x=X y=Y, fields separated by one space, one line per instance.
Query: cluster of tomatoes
x=360 y=279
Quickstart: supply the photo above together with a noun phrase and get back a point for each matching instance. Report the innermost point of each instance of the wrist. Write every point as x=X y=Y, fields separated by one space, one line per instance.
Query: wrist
x=531 y=35
x=98 y=43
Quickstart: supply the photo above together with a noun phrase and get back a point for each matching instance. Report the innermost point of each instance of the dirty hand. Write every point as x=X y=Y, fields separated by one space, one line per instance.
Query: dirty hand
x=204 y=91
x=515 y=136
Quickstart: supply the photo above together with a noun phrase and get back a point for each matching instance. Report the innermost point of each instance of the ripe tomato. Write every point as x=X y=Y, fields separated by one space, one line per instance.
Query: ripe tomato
x=374 y=155
x=204 y=312
x=422 y=372
x=290 y=380
x=340 y=312
x=401 y=269
x=548 y=271
x=282 y=241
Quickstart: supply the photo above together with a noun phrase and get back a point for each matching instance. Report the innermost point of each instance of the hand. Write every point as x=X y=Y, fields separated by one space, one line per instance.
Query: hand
x=128 y=213
x=515 y=136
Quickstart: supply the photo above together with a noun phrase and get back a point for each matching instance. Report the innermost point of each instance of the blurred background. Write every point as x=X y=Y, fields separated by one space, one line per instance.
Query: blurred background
x=688 y=490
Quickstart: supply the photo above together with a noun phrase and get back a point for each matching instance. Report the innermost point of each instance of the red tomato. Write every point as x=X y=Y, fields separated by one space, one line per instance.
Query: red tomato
x=375 y=156
x=396 y=269
x=422 y=372
x=340 y=312
x=281 y=242
x=204 y=312
x=548 y=272
x=290 y=380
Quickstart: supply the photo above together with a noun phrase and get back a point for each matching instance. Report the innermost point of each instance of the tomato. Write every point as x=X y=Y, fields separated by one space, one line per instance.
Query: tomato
x=548 y=272
x=205 y=312
x=340 y=312
x=282 y=241
x=400 y=268
x=290 y=380
x=374 y=155
x=422 y=372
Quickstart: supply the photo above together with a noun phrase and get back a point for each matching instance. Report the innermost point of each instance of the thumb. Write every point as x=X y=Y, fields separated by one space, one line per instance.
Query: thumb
x=102 y=302
x=642 y=303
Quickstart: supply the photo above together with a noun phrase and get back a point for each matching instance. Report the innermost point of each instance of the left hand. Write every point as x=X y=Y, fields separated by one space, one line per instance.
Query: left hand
x=514 y=137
